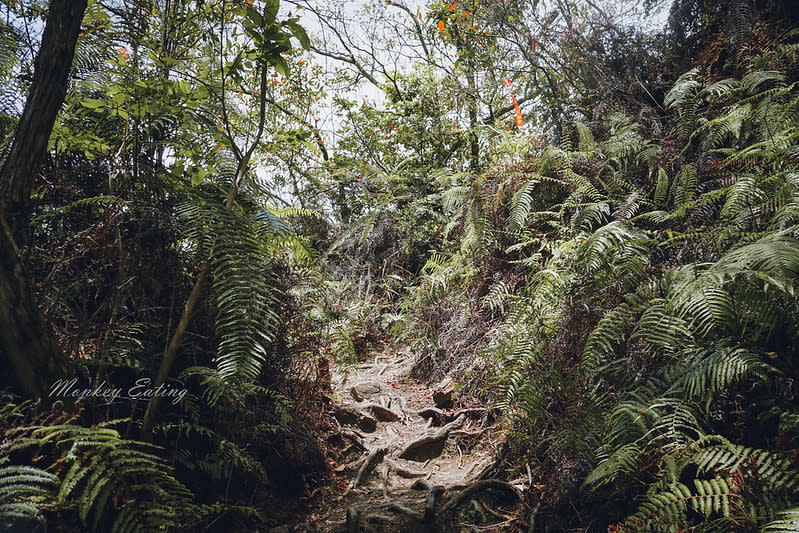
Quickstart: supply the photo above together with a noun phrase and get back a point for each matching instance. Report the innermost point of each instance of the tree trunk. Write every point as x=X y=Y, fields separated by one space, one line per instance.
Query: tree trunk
x=28 y=347
x=27 y=344
x=49 y=87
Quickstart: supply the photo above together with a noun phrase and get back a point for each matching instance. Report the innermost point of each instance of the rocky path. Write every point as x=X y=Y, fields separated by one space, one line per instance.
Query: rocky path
x=404 y=464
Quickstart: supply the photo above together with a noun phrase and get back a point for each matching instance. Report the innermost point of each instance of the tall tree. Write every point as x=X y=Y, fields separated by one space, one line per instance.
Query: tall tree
x=26 y=341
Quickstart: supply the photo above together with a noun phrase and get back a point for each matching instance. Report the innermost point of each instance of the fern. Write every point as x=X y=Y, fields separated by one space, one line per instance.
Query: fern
x=606 y=335
x=608 y=242
x=663 y=184
x=23 y=491
x=685 y=98
x=106 y=478
x=687 y=186
x=660 y=329
x=728 y=474
x=717 y=369
x=586 y=142
x=787 y=521
x=522 y=205
x=242 y=279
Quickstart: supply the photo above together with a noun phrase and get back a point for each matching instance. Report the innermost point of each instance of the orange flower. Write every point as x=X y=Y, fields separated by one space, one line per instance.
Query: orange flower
x=440 y=26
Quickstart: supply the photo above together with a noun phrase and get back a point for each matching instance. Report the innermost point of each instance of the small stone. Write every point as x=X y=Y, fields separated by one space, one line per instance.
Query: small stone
x=444 y=393
x=382 y=413
x=346 y=416
x=436 y=414
x=350 y=416
x=367 y=423
x=365 y=390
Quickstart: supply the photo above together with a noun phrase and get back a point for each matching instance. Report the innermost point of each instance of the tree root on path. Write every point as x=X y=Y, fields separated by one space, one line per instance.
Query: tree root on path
x=431 y=445
x=404 y=472
x=354 y=437
x=353 y=520
x=432 y=502
x=486 y=484
x=374 y=458
x=439 y=416
x=478 y=433
x=433 y=495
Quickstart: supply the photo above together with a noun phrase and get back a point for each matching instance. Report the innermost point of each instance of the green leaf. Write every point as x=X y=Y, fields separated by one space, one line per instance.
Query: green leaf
x=271 y=8
x=299 y=32
x=254 y=17
x=280 y=65
x=234 y=66
x=92 y=103
x=198 y=176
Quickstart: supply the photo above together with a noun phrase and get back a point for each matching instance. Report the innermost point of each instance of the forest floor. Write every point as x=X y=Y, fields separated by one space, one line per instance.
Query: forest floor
x=402 y=464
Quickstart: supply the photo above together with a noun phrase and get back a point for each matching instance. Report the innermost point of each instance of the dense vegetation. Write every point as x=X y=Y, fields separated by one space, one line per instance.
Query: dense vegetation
x=585 y=212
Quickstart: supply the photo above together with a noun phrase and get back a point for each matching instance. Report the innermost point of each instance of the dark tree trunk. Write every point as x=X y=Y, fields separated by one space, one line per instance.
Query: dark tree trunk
x=28 y=347
x=27 y=344
x=49 y=87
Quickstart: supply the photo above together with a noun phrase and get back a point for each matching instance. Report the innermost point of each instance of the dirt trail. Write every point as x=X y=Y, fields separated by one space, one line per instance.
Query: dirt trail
x=404 y=465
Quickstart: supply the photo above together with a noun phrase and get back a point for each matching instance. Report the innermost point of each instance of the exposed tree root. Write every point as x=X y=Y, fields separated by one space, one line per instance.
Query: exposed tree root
x=417 y=450
x=374 y=517
x=479 y=432
x=433 y=496
x=432 y=502
x=353 y=520
x=395 y=451
x=398 y=508
x=374 y=458
x=439 y=416
x=485 y=484
x=403 y=472
x=354 y=437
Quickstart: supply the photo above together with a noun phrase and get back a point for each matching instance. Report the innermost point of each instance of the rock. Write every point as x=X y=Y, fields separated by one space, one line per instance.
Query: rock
x=365 y=390
x=444 y=393
x=346 y=416
x=367 y=423
x=350 y=416
x=384 y=414
x=424 y=448
x=429 y=446
x=436 y=414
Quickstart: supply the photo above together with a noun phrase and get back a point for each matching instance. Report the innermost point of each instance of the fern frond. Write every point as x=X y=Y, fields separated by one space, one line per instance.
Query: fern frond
x=787 y=521
x=522 y=205
x=601 y=246
x=23 y=489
